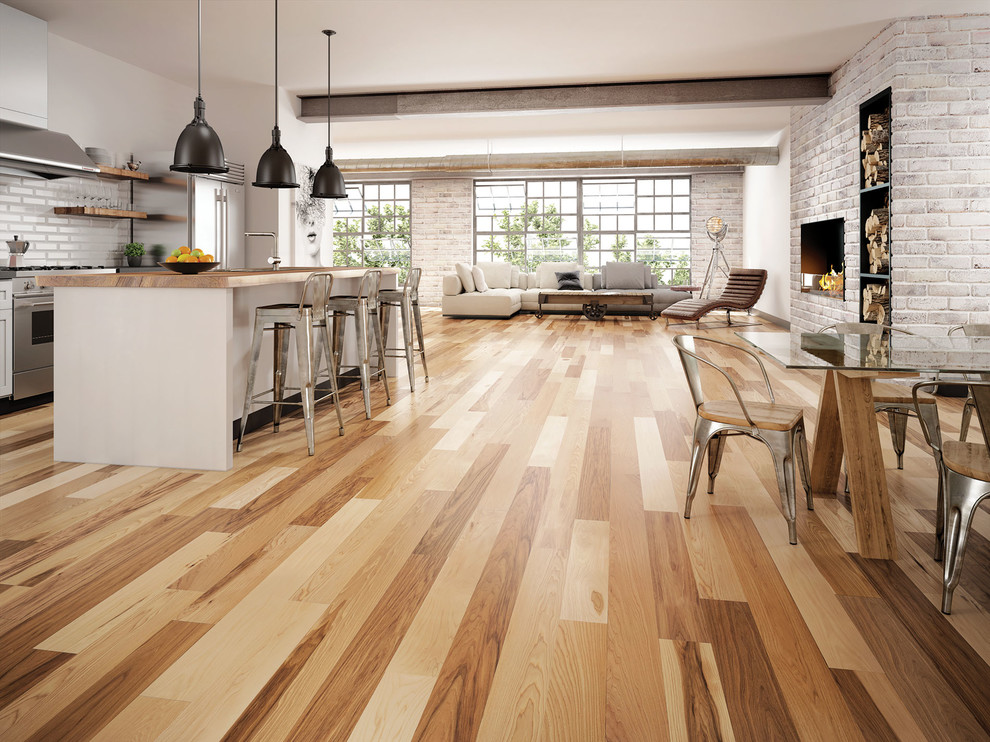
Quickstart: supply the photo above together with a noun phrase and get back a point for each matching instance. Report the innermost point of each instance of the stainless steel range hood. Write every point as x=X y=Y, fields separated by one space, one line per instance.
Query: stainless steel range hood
x=41 y=153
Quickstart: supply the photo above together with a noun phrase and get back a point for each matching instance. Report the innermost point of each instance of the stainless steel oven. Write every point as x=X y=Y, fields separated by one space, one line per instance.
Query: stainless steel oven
x=33 y=323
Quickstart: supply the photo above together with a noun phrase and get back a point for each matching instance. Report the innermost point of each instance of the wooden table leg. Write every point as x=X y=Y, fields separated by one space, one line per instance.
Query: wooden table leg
x=867 y=479
x=827 y=459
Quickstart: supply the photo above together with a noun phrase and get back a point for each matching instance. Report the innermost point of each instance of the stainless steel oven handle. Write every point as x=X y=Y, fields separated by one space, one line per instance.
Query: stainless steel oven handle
x=28 y=304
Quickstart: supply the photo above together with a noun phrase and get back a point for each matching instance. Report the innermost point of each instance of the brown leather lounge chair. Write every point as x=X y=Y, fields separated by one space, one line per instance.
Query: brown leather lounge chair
x=742 y=291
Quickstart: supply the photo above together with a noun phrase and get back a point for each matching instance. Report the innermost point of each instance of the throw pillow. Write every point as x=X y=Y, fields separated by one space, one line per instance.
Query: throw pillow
x=480 y=284
x=515 y=277
x=497 y=275
x=545 y=278
x=463 y=271
x=569 y=281
x=624 y=276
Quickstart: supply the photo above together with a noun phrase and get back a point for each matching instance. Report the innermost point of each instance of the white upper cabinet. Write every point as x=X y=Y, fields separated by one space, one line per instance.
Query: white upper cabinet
x=23 y=68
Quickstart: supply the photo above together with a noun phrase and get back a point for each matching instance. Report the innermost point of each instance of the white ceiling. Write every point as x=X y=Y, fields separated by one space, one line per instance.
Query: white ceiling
x=399 y=45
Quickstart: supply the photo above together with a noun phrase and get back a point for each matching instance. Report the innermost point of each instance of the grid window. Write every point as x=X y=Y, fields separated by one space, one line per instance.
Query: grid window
x=592 y=220
x=373 y=226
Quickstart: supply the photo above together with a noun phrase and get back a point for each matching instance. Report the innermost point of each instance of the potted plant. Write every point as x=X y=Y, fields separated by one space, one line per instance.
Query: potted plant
x=134 y=251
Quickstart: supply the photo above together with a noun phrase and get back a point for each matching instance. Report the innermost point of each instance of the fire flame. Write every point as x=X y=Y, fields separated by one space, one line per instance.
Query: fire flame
x=831 y=281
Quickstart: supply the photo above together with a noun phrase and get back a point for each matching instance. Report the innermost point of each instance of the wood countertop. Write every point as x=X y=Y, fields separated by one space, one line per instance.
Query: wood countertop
x=208 y=280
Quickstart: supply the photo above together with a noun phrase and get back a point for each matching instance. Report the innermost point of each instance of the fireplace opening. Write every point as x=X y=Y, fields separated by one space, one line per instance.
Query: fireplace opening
x=823 y=257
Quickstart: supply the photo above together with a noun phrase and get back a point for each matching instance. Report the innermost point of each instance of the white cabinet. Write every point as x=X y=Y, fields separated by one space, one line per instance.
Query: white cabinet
x=6 y=357
x=23 y=68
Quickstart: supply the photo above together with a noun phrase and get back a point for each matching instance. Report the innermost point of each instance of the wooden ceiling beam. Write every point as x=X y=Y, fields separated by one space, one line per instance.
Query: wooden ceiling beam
x=792 y=90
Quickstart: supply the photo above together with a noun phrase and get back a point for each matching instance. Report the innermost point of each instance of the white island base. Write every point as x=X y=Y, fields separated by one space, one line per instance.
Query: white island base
x=152 y=372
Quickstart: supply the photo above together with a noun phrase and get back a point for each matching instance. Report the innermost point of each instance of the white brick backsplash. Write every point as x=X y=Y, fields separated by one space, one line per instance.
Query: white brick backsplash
x=58 y=240
x=940 y=170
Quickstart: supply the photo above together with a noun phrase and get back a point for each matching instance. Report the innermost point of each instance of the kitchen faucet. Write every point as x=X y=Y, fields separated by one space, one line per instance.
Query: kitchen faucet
x=274 y=260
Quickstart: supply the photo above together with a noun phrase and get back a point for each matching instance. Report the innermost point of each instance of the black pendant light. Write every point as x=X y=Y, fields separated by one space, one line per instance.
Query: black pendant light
x=198 y=148
x=275 y=168
x=328 y=181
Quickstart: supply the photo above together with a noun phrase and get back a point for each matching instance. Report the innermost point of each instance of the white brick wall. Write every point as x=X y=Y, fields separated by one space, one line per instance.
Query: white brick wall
x=938 y=69
x=442 y=225
x=442 y=228
x=26 y=206
x=716 y=194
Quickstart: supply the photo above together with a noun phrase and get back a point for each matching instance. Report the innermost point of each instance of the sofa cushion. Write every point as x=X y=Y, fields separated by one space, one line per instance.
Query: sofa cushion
x=497 y=275
x=569 y=280
x=545 y=273
x=515 y=278
x=480 y=284
x=452 y=284
x=463 y=271
x=491 y=303
x=624 y=276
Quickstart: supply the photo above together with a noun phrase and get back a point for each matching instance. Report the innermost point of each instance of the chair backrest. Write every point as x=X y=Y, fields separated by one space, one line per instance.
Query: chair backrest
x=371 y=283
x=862 y=328
x=411 y=285
x=745 y=286
x=973 y=329
x=318 y=287
x=687 y=348
x=980 y=392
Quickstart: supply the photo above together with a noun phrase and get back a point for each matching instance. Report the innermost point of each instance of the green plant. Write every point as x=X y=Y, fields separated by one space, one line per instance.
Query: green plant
x=157 y=250
x=134 y=249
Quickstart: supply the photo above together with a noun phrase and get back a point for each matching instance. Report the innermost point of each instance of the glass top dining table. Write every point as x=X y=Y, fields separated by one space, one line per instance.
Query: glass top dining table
x=847 y=423
x=888 y=352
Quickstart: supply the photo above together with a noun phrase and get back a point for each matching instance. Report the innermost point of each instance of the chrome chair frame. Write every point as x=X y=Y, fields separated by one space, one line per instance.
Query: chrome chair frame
x=364 y=307
x=406 y=300
x=973 y=330
x=709 y=435
x=959 y=495
x=303 y=318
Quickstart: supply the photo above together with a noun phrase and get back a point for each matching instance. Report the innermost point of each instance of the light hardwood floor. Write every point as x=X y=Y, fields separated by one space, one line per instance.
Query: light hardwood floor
x=499 y=556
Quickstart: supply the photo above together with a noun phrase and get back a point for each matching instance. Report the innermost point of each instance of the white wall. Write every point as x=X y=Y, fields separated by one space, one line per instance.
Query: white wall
x=102 y=102
x=767 y=228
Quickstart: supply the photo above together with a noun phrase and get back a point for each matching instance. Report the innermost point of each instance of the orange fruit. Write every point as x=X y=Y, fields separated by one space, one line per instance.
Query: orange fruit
x=171 y=259
x=185 y=250
x=207 y=259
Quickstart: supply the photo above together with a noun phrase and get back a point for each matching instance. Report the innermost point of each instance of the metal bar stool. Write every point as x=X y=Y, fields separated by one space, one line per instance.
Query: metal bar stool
x=364 y=308
x=304 y=318
x=406 y=299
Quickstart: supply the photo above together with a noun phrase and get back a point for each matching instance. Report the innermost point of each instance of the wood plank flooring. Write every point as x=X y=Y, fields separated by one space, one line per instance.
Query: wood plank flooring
x=499 y=556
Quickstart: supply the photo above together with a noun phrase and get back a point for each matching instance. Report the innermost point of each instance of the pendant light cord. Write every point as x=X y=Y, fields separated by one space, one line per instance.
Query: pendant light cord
x=276 y=64
x=329 y=33
x=199 y=51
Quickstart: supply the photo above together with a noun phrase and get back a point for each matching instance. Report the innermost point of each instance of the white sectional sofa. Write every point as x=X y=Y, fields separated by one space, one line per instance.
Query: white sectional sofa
x=507 y=290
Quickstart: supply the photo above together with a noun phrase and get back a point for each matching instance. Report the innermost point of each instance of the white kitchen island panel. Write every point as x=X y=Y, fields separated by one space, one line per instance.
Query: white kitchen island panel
x=150 y=369
x=143 y=376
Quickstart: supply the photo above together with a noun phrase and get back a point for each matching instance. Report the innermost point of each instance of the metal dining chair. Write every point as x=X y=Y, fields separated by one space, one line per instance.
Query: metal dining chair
x=780 y=427
x=964 y=476
x=302 y=318
x=973 y=330
x=894 y=400
x=406 y=300
x=364 y=308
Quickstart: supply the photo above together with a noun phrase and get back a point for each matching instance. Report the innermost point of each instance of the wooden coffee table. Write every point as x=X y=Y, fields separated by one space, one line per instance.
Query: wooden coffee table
x=593 y=304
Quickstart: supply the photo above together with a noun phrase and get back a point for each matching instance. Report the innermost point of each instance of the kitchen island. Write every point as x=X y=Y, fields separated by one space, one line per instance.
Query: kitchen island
x=150 y=368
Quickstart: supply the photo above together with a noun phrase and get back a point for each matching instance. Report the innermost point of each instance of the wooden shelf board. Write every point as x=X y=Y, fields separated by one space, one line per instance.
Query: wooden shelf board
x=170 y=180
x=121 y=173
x=99 y=212
x=166 y=218
x=877 y=187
